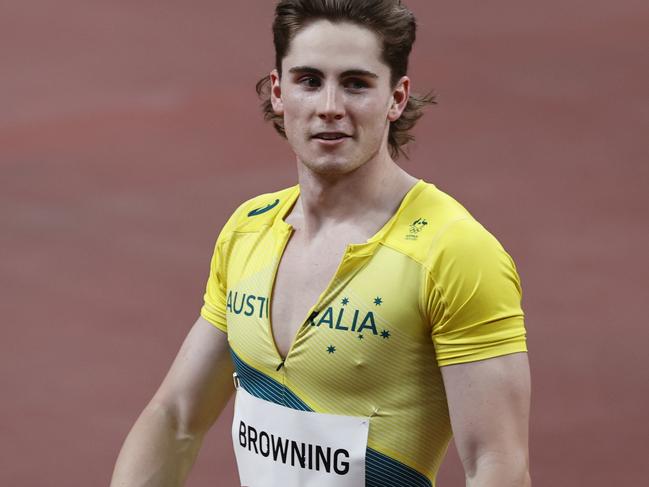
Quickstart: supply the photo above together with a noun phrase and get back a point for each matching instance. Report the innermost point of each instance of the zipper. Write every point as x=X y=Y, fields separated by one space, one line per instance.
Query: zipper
x=271 y=296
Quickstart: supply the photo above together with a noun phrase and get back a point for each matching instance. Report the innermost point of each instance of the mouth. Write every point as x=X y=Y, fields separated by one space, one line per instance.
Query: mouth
x=331 y=136
x=330 y=139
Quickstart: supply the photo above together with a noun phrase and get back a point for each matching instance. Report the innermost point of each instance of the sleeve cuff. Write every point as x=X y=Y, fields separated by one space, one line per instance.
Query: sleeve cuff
x=214 y=319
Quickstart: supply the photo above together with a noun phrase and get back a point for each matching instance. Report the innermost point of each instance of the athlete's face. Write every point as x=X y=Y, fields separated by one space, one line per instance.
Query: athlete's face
x=336 y=98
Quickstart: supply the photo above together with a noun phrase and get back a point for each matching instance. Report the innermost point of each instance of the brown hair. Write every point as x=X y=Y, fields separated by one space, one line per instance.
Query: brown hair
x=394 y=24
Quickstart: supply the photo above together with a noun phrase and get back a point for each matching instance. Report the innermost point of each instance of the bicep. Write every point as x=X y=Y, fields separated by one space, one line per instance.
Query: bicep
x=489 y=403
x=199 y=382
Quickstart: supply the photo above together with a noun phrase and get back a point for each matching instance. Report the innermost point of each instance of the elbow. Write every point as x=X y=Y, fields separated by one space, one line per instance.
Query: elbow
x=184 y=428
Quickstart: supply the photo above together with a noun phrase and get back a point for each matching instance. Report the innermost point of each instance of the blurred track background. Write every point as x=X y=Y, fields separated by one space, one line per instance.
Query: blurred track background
x=130 y=130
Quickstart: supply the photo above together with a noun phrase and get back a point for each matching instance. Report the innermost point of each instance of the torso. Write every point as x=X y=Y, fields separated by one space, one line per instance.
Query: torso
x=371 y=351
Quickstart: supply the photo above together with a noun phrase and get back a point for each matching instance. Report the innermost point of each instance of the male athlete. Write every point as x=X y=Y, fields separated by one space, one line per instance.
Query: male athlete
x=368 y=317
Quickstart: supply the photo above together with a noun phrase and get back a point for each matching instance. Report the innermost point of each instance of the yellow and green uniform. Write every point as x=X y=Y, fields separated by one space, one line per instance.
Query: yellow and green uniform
x=432 y=288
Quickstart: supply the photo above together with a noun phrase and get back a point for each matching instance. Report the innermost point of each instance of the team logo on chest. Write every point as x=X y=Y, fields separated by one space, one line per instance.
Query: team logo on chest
x=415 y=227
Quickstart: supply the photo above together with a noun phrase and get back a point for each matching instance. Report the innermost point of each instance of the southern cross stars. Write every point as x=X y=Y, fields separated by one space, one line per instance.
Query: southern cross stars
x=331 y=349
x=385 y=334
x=345 y=301
x=378 y=301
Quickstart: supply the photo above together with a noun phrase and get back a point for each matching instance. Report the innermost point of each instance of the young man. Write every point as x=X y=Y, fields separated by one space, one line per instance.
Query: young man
x=365 y=311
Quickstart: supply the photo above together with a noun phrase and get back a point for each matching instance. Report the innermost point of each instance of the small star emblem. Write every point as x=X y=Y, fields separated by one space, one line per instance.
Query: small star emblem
x=378 y=301
x=345 y=301
x=385 y=334
x=360 y=336
x=331 y=349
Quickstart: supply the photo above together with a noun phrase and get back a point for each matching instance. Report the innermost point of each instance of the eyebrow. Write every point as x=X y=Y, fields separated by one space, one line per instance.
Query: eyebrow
x=349 y=72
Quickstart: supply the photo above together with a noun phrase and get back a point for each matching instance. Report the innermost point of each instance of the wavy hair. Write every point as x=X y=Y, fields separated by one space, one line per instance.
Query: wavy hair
x=390 y=20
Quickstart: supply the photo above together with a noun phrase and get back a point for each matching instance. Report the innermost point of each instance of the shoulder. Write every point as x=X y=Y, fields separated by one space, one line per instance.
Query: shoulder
x=432 y=221
x=439 y=233
x=259 y=212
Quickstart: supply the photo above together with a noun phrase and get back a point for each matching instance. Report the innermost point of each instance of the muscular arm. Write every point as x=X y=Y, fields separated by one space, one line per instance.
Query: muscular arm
x=162 y=446
x=489 y=403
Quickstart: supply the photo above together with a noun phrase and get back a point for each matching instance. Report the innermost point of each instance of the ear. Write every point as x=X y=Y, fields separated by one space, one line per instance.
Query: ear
x=276 y=93
x=400 y=97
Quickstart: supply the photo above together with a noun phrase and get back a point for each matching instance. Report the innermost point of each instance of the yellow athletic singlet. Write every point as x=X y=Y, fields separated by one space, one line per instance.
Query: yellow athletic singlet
x=432 y=288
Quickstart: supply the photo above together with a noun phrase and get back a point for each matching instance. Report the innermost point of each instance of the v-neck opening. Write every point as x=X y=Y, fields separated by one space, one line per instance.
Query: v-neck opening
x=284 y=230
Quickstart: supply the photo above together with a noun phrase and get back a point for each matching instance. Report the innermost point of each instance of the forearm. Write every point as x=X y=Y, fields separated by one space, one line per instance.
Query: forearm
x=499 y=471
x=156 y=453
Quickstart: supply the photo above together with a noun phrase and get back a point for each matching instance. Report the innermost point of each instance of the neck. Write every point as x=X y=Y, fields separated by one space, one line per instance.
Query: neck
x=374 y=189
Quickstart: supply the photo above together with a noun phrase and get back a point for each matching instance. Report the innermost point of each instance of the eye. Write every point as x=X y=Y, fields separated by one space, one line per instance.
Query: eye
x=309 y=81
x=356 y=84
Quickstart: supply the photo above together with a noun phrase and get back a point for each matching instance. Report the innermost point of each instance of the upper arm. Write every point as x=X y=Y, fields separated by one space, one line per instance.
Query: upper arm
x=489 y=402
x=472 y=296
x=473 y=300
x=199 y=382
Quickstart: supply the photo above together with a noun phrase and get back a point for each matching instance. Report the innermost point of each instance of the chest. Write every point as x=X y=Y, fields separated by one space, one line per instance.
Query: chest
x=304 y=273
x=367 y=299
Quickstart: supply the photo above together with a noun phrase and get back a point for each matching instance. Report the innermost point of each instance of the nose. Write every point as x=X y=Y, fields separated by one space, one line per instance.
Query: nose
x=331 y=105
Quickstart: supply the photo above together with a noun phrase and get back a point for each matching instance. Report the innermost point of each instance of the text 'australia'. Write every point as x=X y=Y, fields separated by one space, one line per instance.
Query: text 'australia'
x=342 y=320
x=247 y=304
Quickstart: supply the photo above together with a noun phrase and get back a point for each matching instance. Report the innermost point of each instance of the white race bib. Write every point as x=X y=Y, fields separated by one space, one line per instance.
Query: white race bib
x=277 y=446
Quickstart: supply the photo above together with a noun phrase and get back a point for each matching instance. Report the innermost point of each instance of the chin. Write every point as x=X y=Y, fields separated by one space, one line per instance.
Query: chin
x=331 y=165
